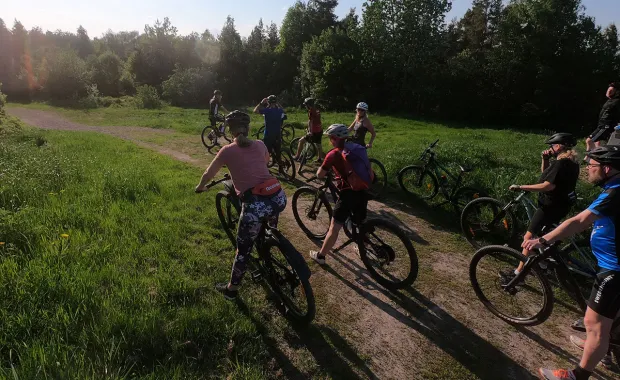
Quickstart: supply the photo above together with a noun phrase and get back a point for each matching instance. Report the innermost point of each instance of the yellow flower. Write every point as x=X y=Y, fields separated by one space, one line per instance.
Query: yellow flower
x=64 y=236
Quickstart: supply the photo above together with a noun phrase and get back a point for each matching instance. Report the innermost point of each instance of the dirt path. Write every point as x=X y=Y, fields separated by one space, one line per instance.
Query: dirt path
x=436 y=330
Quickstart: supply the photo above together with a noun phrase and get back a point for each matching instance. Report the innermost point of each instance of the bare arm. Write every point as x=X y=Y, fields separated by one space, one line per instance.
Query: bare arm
x=211 y=171
x=539 y=187
x=259 y=106
x=570 y=227
x=321 y=173
x=352 y=124
x=372 y=131
x=224 y=109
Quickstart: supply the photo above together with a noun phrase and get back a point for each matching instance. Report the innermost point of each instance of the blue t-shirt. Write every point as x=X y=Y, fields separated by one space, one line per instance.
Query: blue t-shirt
x=605 y=238
x=273 y=121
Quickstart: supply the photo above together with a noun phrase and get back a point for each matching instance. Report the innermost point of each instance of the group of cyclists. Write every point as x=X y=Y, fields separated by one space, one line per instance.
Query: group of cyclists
x=262 y=197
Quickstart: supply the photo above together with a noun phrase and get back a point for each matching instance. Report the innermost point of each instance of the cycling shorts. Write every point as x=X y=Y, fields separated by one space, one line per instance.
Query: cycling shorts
x=351 y=204
x=273 y=144
x=314 y=137
x=546 y=216
x=605 y=296
x=601 y=134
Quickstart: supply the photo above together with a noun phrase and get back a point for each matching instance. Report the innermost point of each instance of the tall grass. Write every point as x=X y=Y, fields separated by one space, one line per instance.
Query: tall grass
x=107 y=263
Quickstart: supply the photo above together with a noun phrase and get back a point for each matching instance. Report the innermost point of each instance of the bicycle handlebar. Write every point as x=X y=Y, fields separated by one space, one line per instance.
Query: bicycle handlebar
x=218 y=181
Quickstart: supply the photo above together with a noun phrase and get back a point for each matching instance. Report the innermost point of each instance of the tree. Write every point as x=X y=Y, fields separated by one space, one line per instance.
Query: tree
x=188 y=87
x=232 y=68
x=83 y=44
x=107 y=70
x=68 y=75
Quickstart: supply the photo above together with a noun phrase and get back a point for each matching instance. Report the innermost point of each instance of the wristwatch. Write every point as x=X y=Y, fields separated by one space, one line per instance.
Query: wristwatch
x=543 y=241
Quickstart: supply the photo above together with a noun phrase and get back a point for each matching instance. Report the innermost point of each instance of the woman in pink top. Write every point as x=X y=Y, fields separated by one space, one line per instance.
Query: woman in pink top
x=247 y=162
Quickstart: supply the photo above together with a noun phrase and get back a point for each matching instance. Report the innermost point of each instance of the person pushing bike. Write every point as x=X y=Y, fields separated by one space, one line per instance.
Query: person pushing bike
x=315 y=130
x=604 y=216
x=261 y=195
x=274 y=117
x=215 y=105
x=361 y=125
x=555 y=188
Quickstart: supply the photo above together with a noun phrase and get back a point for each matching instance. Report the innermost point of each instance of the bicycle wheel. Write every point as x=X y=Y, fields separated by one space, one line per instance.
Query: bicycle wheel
x=209 y=137
x=227 y=134
x=387 y=253
x=463 y=196
x=286 y=168
x=485 y=222
x=288 y=133
x=229 y=217
x=380 y=181
x=312 y=211
x=259 y=134
x=417 y=181
x=296 y=293
x=309 y=151
x=528 y=303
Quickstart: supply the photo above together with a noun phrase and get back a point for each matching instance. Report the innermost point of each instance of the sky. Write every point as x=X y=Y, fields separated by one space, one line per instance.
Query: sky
x=196 y=15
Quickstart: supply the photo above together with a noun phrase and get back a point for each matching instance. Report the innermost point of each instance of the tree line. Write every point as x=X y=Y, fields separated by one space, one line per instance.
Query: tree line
x=535 y=63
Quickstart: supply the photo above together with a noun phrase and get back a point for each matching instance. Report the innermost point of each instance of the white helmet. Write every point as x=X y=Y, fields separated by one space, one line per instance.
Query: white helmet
x=362 y=106
x=337 y=130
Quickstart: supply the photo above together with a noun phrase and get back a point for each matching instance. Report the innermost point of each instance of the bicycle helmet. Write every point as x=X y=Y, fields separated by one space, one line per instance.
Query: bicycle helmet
x=337 y=130
x=606 y=155
x=309 y=102
x=565 y=139
x=362 y=106
x=238 y=119
x=272 y=99
x=217 y=92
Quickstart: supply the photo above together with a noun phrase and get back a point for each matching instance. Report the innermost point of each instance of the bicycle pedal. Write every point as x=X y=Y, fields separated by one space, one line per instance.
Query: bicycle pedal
x=257 y=276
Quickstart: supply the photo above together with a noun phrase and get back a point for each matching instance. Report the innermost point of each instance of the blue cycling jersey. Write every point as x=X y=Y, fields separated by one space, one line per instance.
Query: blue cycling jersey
x=273 y=121
x=605 y=238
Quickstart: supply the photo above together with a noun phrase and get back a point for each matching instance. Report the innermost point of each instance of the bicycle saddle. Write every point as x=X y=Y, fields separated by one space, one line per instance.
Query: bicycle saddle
x=466 y=169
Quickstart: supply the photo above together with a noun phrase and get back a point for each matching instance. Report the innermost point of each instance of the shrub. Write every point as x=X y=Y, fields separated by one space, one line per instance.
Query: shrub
x=187 y=87
x=68 y=76
x=147 y=97
x=92 y=99
x=2 y=100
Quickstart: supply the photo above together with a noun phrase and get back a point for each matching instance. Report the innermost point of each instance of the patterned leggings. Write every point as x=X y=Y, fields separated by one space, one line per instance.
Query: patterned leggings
x=253 y=212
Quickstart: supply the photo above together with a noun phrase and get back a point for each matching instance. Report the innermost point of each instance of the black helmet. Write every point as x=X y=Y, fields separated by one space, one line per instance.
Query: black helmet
x=217 y=92
x=272 y=99
x=606 y=155
x=309 y=102
x=565 y=139
x=238 y=119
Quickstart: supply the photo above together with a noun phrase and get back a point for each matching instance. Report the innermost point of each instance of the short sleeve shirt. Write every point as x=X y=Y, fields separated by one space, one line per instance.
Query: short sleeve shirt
x=605 y=238
x=563 y=174
x=334 y=160
x=273 y=121
x=314 y=116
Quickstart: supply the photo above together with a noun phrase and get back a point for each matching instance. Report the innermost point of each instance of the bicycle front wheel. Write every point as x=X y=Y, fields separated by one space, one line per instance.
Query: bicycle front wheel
x=527 y=303
x=380 y=181
x=286 y=168
x=417 y=181
x=229 y=217
x=484 y=221
x=463 y=196
x=387 y=253
x=209 y=137
x=312 y=212
x=308 y=152
x=288 y=133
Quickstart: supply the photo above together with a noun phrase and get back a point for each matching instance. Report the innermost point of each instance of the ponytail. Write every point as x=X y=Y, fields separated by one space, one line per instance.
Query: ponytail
x=242 y=137
x=570 y=154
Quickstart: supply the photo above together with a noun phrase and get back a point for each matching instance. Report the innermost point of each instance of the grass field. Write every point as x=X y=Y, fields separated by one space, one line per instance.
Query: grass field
x=103 y=265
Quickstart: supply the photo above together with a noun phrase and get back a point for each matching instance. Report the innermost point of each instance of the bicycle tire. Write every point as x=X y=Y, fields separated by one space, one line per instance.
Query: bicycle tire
x=227 y=134
x=288 y=133
x=384 y=252
x=287 y=167
x=259 y=133
x=547 y=293
x=479 y=235
x=224 y=209
x=311 y=211
x=207 y=137
x=412 y=178
x=275 y=267
x=463 y=196
x=380 y=182
x=309 y=151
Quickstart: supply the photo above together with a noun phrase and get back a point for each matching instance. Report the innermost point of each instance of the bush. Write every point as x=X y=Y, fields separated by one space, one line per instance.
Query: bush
x=2 y=100
x=187 y=87
x=92 y=99
x=68 y=76
x=147 y=97
x=107 y=70
x=126 y=84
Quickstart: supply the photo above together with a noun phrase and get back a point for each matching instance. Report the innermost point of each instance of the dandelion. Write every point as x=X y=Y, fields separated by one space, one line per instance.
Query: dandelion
x=64 y=236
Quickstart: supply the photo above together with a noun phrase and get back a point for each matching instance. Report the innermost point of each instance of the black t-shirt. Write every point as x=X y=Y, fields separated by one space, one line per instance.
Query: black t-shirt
x=610 y=114
x=214 y=107
x=563 y=174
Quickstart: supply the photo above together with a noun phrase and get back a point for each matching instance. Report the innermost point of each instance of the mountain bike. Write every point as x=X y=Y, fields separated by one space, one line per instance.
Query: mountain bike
x=526 y=299
x=308 y=152
x=274 y=258
x=219 y=135
x=383 y=247
x=286 y=166
x=425 y=181
x=287 y=133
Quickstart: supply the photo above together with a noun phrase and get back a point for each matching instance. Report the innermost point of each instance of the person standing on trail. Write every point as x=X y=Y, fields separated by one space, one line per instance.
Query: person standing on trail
x=608 y=118
x=274 y=117
x=261 y=194
x=361 y=125
x=603 y=215
x=215 y=105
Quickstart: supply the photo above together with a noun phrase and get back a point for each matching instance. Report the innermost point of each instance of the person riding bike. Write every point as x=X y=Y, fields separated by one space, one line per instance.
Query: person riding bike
x=215 y=105
x=315 y=129
x=556 y=190
x=274 y=117
x=261 y=195
x=604 y=215
x=361 y=125
x=608 y=118
x=351 y=203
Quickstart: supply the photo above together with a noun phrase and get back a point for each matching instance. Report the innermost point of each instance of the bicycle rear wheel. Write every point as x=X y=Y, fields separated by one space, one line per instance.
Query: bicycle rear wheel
x=288 y=133
x=463 y=196
x=380 y=181
x=528 y=303
x=228 y=214
x=485 y=222
x=294 y=291
x=286 y=168
x=309 y=151
x=387 y=253
x=417 y=181
x=312 y=211
x=209 y=137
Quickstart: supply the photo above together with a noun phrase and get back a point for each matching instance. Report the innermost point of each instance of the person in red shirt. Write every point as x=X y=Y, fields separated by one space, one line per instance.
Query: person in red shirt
x=315 y=129
x=350 y=203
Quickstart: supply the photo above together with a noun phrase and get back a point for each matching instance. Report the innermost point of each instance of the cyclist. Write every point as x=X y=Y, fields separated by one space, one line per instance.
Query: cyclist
x=361 y=125
x=556 y=190
x=247 y=162
x=608 y=118
x=350 y=203
x=315 y=129
x=215 y=105
x=274 y=117
x=604 y=303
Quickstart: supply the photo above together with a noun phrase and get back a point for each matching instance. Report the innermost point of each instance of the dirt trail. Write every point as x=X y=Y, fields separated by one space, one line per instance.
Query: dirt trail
x=436 y=330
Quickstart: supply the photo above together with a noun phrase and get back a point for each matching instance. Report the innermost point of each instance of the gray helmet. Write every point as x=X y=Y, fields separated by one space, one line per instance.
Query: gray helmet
x=565 y=139
x=309 y=102
x=337 y=130
x=606 y=155
x=272 y=99
x=217 y=92
x=238 y=119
